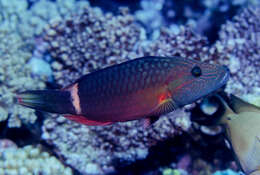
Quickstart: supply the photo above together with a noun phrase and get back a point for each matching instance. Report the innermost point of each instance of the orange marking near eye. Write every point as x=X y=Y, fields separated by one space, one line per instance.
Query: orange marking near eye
x=163 y=97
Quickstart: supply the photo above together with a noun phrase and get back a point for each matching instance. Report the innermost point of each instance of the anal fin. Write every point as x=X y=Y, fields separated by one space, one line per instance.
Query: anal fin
x=85 y=121
x=149 y=121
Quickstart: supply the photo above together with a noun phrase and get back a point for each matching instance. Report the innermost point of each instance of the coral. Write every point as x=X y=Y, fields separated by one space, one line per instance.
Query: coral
x=5 y=143
x=227 y=172
x=182 y=42
x=29 y=160
x=81 y=39
x=201 y=167
x=90 y=40
x=42 y=12
x=239 y=49
x=169 y=171
x=127 y=141
x=15 y=75
x=252 y=98
x=150 y=15
x=18 y=29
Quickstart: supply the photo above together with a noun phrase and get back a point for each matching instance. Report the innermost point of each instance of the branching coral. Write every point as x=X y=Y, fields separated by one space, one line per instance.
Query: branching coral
x=18 y=27
x=29 y=160
x=239 y=49
x=183 y=42
x=90 y=40
x=15 y=75
x=81 y=145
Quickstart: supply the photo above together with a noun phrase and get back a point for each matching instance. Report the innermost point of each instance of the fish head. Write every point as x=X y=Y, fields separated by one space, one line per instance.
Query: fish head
x=190 y=80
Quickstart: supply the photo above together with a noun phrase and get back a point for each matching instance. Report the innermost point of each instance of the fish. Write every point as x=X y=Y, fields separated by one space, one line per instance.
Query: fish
x=142 y=88
x=242 y=128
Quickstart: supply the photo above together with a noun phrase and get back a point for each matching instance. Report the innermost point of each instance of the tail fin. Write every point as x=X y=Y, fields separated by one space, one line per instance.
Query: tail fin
x=54 y=101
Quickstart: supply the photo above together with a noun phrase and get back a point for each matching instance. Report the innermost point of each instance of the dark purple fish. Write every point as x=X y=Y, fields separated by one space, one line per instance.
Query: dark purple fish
x=145 y=87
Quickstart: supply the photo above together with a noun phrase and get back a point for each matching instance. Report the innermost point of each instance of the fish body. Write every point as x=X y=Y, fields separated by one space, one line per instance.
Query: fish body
x=141 y=88
x=242 y=129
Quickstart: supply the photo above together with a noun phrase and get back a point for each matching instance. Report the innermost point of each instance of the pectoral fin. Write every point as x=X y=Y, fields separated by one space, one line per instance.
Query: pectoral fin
x=228 y=113
x=149 y=121
x=164 y=107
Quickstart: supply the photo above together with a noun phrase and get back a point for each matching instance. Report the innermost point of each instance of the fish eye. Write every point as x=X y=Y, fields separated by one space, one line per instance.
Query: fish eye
x=196 y=71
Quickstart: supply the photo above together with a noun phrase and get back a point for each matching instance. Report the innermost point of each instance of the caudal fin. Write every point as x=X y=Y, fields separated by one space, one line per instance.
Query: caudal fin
x=54 y=101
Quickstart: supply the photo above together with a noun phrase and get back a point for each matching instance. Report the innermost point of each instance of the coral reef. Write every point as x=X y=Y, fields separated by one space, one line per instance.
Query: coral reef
x=239 y=49
x=169 y=171
x=78 y=45
x=150 y=15
x=79 y=40
x=181 y=42
x=227 y=172
x=68 y=41
x=18 y=29
x=15 y=75
x=28 y=160
x=119 y=142
x=89 y=40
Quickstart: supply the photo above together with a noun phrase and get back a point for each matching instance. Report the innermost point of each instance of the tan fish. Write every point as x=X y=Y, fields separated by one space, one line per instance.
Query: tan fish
x=243 y=131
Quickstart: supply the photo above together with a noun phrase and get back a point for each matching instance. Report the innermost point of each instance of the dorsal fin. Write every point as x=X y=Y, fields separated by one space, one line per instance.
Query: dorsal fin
x=240 y=105
x=228 y=112
x=147 y=122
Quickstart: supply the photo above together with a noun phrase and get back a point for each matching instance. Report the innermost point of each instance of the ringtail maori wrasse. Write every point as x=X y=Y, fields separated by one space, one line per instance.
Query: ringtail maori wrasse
x=145 y=87
x=242 y=124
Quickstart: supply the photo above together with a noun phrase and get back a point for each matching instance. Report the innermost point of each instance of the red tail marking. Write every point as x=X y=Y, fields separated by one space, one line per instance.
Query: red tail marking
x=163 y=97
x=19 y=99
x=85 y=121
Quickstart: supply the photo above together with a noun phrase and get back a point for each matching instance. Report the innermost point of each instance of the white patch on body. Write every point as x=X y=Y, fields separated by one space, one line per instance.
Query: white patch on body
x=75 y=98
